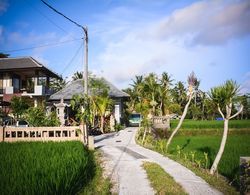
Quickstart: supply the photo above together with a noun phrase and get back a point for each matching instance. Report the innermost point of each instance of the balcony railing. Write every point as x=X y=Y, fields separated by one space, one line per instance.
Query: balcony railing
x=38 y=90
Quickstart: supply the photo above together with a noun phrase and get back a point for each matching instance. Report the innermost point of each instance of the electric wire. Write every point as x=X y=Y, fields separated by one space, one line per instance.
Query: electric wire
x=84 y=28
x=76 y=53
x=42 y=14
x=40 y=46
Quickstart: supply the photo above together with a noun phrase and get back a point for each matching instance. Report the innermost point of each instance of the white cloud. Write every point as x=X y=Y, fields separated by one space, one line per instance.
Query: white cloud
x=3 y=6
x=207 y=22
x=150 y=44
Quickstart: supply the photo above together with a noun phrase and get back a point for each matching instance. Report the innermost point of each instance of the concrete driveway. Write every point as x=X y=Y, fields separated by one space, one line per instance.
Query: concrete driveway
x=123 y=159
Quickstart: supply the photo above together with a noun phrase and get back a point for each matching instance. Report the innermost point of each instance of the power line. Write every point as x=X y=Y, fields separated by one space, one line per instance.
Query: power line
x=77 y=51
x=42 y=14
x=64 y=16
x=40 y=46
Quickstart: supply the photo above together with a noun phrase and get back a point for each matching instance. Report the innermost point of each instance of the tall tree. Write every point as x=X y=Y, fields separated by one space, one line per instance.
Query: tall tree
x=224 y=97
x=164 y=89
x=192 y=82
x=151 y=89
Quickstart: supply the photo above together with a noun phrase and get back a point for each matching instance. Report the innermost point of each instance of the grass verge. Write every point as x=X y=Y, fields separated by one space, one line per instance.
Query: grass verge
x=99 y=184
x=161 y=182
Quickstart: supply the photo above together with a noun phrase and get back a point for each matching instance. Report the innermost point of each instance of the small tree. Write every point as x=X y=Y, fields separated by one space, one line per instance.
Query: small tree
x=19 y=105
x=192 y=82
x=224 y=97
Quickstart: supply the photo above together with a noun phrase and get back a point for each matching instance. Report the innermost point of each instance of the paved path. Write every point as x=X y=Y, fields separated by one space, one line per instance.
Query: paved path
x=123 y=158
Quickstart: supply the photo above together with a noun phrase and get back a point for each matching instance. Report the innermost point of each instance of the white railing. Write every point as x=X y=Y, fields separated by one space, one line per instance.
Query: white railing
x=13 y=134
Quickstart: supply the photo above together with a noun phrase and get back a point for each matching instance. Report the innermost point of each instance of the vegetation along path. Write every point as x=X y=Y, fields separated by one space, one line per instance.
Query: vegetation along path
x=124 y=160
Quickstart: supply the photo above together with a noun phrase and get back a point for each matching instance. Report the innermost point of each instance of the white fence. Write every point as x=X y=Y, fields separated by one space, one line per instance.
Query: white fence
x=13 y=134
x=161 y=122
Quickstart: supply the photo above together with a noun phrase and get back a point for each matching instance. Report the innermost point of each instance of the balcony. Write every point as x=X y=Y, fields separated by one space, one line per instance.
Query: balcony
x=38 y=90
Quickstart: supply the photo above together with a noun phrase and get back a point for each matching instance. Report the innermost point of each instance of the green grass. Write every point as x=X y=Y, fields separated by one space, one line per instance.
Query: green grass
x=237 y=145
x=44 y=168
x=161 y=182
x=190 y=151
x=211 y=124
x=99 y=184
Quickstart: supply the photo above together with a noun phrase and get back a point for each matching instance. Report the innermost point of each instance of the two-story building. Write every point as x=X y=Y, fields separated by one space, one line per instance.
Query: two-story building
x=24 y=76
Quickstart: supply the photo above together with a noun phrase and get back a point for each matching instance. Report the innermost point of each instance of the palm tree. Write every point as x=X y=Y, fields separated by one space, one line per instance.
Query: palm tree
x=163 y=90
x=192 y=82
x=103 y=103
x=224 y=97
x=151 y=88
x=57 y=84
x=179 y=94
x=77 y=75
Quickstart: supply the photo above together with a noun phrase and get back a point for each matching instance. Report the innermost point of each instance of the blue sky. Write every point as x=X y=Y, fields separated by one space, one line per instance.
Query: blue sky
x=135 y=37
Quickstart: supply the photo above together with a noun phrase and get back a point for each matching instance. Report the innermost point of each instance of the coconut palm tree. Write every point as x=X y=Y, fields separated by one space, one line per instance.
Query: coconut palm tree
x=151 y=89
x=192 y=82
x=103 y=103
x=224 y=97
x=163 y=89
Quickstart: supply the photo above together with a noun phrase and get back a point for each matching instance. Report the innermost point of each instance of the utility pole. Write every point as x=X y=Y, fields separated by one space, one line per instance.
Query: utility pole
x=85 y=70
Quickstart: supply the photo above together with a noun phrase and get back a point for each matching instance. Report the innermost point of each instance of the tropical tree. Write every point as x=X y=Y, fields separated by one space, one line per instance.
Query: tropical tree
x=57 y=84
x=77 y=75
x=104 y=104
x=192 y=82
x=224 y=97
x=179 y=94
x=163 y=90
x=19 y=105
x=151 y=89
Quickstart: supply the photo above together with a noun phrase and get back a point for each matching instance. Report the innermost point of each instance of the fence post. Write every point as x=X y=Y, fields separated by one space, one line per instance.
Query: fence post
x=1 y=134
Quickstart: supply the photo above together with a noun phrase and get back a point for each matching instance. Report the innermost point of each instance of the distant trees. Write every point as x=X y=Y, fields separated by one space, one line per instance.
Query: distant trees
x=4 y=55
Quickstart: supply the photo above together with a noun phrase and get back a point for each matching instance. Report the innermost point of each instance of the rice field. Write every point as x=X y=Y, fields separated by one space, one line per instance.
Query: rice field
x=210 y=125
x=202 y=149
x=44 y=168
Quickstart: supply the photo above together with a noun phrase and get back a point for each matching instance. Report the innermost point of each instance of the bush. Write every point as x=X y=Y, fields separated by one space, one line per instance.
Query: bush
x=37 y=117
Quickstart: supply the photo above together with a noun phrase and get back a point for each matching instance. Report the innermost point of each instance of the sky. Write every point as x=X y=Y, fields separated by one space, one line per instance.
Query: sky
x=134 y=37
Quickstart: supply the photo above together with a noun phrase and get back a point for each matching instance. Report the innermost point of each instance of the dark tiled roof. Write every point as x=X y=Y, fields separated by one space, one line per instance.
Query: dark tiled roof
x=9 y=64
x=76 y=87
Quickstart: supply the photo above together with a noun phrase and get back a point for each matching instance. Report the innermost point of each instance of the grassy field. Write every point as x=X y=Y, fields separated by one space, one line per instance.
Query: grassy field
x=197 y=144
x=195 y=148
x=45 y=168
x=210 y=125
